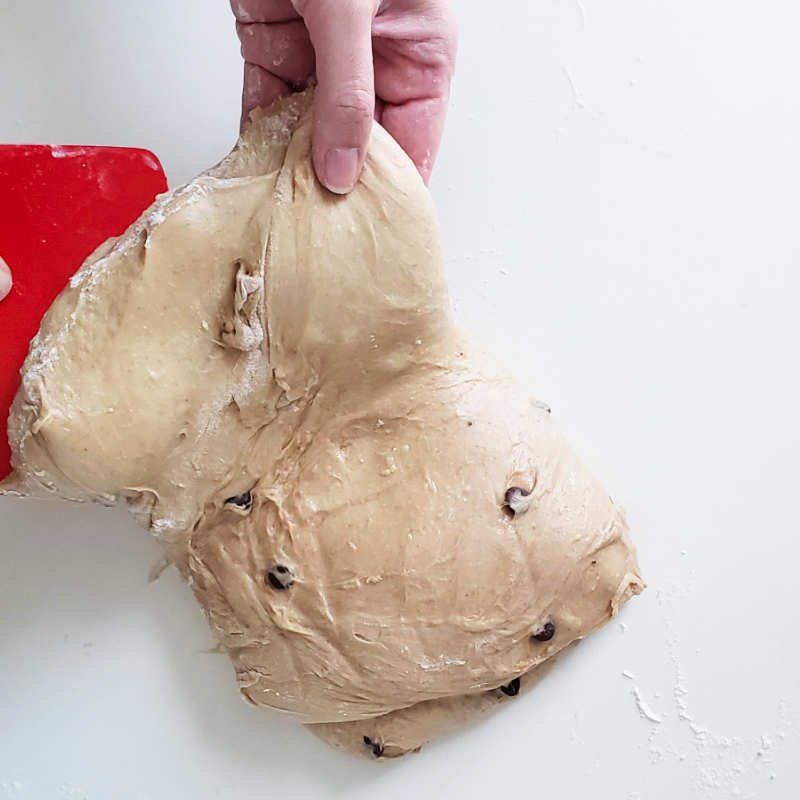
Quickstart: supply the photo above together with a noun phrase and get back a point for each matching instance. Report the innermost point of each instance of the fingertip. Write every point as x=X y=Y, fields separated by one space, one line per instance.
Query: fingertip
x=342 y=128
x=344 y=103
x=6 y=281
x=338 y=168
x=425 y=168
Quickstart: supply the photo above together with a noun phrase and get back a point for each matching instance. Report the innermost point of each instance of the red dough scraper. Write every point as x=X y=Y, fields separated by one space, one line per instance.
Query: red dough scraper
x=57 y=204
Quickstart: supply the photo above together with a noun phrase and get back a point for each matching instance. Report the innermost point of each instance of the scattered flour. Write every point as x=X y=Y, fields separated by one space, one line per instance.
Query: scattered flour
x=718 y=765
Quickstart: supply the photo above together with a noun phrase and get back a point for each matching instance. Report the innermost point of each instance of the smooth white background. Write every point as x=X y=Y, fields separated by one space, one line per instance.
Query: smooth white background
x=618 y=193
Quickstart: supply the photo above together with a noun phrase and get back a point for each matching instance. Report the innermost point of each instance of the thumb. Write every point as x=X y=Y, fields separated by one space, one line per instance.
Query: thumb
x=341 y=33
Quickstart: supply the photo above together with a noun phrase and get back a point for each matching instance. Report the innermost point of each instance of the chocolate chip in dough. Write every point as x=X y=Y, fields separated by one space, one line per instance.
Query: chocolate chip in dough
x=545 y=633
x=511 y=689
x=242 y=501
x=280 y=577
x=376 y=747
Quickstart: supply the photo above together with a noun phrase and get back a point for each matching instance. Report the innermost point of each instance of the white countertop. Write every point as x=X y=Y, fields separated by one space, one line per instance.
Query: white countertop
x=619 y=193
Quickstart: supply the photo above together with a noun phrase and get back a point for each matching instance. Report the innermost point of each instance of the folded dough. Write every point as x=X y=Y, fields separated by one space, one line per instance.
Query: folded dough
x=381 y=527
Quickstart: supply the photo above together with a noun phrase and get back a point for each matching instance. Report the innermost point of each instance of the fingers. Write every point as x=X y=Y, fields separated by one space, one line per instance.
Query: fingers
x=417 y=127
x=248 y=11
x=340 y=32
x=260 y=89
x=282 y=48
x=285 y=41
x=5 y=280
x=414 y=65
x=278 y=57
x=269 y=71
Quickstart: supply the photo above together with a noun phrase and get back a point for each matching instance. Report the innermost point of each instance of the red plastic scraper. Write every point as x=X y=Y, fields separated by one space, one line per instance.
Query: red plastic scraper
x=57 y=204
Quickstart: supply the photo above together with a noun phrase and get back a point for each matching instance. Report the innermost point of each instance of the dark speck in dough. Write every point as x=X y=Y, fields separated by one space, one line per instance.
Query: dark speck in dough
x=280 y=577
x=545 y=633
x=376 y=747
x=511 y=689
x=244 y=500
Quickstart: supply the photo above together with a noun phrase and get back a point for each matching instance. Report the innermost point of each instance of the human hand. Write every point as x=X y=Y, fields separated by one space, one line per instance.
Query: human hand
x=5 y=280
x=388 y=59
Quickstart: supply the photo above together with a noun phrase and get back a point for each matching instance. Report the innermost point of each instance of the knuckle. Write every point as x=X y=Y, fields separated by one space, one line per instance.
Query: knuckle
x=356 y=101
x=240 y=11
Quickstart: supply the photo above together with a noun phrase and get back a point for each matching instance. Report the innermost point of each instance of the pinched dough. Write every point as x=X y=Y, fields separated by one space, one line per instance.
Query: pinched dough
x=380 y=525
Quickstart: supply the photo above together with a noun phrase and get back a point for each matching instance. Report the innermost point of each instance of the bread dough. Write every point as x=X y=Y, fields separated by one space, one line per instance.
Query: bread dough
x=407 y=729
x=380 y=525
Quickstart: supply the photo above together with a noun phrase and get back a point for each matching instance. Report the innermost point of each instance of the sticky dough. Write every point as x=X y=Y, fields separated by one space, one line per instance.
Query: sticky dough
x=271 y=377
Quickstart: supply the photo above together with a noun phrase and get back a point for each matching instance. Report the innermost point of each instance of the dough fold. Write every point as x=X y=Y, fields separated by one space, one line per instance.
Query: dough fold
x=270 y=375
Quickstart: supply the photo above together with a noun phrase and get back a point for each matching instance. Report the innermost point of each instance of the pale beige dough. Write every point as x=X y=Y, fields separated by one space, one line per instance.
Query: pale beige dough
x=272 y=377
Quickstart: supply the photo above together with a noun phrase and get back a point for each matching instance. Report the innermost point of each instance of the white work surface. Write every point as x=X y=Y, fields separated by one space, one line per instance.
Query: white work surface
x=619 y=194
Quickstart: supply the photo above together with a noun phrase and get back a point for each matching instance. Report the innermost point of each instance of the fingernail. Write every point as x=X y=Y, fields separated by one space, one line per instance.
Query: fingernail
x=341 y=169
